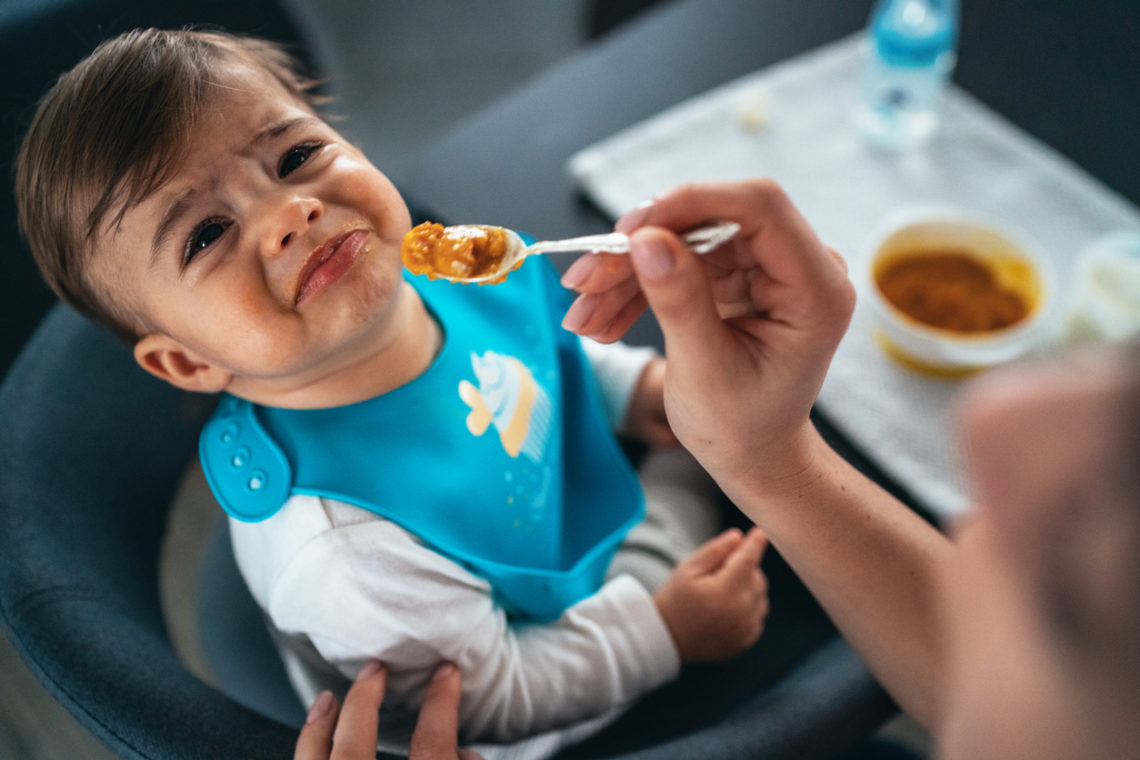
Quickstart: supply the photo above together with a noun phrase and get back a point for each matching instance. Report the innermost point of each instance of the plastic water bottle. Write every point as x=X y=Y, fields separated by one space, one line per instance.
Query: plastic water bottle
x=908 y=60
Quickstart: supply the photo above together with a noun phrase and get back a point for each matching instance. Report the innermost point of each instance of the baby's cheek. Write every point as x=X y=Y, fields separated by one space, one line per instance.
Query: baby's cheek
x=372 y=193
x=257 y=353
x=258 y=336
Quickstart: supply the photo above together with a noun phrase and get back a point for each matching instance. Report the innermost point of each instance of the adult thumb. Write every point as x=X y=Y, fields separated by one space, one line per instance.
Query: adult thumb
x=675 y=285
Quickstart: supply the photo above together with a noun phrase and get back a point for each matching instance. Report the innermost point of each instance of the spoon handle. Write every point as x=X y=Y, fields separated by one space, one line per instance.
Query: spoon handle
x=612 y=242
x=700 y=240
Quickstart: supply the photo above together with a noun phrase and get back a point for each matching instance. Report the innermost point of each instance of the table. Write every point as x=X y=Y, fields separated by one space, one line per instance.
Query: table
x=512 y=153
x=1065 y=74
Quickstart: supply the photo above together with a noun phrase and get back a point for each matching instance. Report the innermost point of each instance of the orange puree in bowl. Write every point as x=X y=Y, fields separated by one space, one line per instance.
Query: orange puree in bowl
x=951 y=290
x=461 y=251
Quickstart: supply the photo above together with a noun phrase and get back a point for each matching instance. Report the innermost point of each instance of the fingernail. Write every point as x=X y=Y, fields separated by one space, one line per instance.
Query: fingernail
x=579 y=271
x=651 y=256
x=443 y=671
x=579 y=312
x=370 y=669
x=320 y=707
x=635 y=217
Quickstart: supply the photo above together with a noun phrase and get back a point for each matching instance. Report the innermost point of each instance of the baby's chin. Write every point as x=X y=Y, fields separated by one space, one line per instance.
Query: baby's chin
x=351 y=332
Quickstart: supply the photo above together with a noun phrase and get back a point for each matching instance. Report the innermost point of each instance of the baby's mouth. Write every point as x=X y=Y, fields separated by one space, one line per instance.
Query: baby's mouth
x=328 y=262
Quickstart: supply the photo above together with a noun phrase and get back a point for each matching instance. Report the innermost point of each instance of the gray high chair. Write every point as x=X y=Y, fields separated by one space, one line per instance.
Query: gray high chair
x=91 y=452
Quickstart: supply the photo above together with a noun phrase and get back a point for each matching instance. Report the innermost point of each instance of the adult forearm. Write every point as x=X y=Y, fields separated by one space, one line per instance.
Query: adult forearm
x=749 y=332
x=872 y=563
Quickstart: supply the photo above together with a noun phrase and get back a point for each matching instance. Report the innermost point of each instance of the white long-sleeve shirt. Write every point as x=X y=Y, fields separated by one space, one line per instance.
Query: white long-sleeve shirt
x=341 y=585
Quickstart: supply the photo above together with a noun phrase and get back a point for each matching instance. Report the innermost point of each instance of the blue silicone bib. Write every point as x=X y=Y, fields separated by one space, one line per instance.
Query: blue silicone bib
x=498 y=456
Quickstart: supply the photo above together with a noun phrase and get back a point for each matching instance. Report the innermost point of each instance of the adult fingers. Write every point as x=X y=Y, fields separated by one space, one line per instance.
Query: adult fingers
x=838 y=258
x=779 y=237
x=597 y=272
x=678 y=291
x=624 y=320
x=356 y=729
x=592 y=313
x=316 y=735
x=610 y=304
x=751 y=204
x=437 y=730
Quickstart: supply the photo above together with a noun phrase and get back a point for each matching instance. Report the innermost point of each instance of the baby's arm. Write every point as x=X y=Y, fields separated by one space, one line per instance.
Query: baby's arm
x=632 y=381
x=370 y=590
x=618 y=368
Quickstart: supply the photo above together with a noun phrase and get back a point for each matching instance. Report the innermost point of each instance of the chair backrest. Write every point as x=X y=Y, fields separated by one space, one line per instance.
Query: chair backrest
x=91 y=450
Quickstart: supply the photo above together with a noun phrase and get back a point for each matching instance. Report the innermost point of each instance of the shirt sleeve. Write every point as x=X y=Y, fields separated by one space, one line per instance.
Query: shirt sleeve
x=370 y=590
x=617 y=367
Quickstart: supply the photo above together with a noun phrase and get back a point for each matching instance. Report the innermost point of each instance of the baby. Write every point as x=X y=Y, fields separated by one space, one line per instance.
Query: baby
x=415 y=471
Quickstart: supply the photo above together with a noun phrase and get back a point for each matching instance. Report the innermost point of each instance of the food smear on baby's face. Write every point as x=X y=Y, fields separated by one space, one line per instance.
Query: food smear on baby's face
x=952 y=290
x=460 y=252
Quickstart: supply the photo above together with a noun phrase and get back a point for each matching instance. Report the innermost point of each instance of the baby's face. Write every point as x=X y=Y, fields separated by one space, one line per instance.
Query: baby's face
x=272 y=256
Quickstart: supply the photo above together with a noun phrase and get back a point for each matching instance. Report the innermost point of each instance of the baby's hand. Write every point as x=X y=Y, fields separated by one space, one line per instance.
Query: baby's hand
x=716 y=601
x=646 y=416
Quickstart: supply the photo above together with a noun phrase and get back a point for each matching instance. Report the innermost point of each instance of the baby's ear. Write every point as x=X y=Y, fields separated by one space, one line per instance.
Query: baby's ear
x=167 y=359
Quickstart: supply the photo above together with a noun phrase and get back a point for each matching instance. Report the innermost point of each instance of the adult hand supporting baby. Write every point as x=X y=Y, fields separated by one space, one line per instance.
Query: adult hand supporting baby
x=349 y=733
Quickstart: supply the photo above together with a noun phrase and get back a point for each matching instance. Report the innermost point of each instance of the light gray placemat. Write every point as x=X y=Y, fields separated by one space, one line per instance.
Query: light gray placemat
x=792 y=122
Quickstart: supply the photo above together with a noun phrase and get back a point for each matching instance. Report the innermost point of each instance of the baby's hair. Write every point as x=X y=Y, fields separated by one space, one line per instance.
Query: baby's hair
x=113 y=130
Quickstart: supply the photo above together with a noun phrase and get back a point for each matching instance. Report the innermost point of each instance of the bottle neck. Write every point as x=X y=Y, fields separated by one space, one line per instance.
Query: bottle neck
x=915 y=33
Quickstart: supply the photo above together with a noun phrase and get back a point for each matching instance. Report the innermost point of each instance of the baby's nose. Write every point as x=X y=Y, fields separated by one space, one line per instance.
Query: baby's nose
x=296 y=219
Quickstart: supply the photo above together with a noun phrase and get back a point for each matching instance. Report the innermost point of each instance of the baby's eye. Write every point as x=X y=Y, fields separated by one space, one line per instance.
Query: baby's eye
x=203 y=236
x=296 y=156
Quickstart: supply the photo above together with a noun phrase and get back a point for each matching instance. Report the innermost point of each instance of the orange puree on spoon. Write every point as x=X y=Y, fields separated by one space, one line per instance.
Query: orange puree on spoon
x=459 y=252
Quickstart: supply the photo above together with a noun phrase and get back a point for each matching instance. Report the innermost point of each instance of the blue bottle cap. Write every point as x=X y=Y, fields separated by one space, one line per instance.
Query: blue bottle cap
x=914 y=33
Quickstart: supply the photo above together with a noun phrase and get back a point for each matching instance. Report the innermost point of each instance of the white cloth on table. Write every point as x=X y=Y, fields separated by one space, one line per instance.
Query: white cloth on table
x=792 y=122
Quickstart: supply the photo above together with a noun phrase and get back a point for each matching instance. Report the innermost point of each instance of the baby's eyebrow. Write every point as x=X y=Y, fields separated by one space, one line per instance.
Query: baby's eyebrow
x=182 y=204
x=173 y=214
x=276 y=129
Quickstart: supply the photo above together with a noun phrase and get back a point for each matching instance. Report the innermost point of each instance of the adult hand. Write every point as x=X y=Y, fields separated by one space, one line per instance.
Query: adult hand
x=349 y=733
x=749 y=328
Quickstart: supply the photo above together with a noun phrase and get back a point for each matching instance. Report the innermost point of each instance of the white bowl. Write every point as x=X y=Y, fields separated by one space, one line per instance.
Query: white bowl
x=1012 y=256
x=1106 y=301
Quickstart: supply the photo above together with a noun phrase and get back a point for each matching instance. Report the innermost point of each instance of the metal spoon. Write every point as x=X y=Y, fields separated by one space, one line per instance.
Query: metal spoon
x=700 y=240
